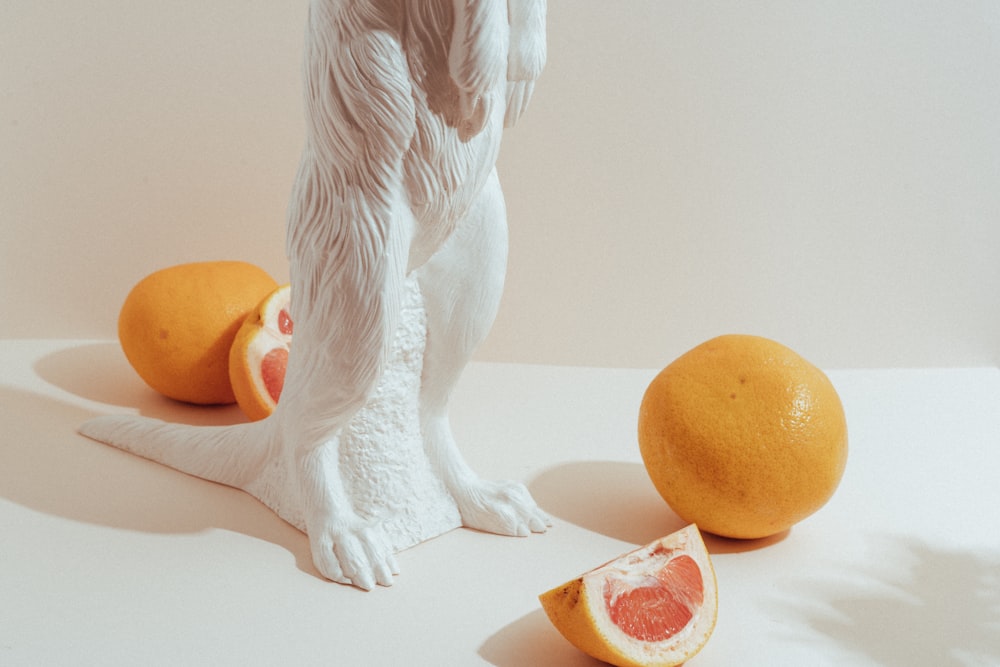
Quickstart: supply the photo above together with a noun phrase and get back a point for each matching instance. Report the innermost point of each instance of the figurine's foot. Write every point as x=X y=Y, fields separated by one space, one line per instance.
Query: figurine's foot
x=352 y=551
x=504 y=508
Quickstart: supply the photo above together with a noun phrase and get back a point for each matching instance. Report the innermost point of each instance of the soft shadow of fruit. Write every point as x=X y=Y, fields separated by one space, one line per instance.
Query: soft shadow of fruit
x=100 y=372
x=612 y=498
x=616 y=499
x=727 y=545
x=532 y=640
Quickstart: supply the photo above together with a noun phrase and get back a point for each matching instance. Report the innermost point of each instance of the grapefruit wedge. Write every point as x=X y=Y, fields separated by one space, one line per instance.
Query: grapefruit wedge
x=259 y=355
x=652 y=607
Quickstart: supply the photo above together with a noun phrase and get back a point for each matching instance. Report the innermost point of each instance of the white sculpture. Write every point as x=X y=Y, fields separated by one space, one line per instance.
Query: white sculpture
x=397 y=244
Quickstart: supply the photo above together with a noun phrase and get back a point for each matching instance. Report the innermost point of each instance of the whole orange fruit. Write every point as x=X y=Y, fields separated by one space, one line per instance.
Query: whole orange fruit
x=743 y=436
x=177 y=325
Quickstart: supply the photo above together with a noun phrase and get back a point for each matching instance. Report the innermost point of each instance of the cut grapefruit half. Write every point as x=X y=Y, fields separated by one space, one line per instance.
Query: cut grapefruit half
x=259 y=355
x=652 y=607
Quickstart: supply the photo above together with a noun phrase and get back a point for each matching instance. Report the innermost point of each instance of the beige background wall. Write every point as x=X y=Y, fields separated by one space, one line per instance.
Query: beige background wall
x=824 y=173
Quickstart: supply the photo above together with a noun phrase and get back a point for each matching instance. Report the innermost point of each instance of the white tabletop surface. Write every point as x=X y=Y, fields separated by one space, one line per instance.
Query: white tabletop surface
x=109 y=559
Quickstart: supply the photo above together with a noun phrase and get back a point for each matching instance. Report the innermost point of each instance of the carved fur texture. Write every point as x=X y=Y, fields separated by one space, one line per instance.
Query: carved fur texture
x=397 y=243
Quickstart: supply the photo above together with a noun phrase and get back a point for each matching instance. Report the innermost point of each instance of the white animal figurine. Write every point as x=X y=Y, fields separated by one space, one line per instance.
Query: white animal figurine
x=397 y=242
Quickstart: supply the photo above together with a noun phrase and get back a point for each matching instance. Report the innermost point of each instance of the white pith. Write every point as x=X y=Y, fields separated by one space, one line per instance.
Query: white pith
x=637 y=567
x=268 y=338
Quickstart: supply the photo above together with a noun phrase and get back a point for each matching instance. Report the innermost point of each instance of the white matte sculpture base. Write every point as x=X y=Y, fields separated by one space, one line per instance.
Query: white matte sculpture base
x=397 y=245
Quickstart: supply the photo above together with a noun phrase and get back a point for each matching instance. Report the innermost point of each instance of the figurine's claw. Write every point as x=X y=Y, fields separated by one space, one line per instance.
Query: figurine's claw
x=357 y=554
x=504 y=508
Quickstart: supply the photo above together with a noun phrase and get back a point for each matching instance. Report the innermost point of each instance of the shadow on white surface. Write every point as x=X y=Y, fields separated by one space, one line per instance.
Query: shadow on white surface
x=613 y=498
x=914 y=605
x=100 y=372
x=533 y=640
x=617 y=499
x=726 y=545
x=47 y=467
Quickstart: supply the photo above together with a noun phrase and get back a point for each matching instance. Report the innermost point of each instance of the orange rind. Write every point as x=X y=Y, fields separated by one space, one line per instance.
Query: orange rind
x=177 y=324
x=655 y=606
x=743 y=436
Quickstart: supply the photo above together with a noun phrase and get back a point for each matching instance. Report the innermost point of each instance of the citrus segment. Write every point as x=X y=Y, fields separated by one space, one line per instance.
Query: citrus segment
x=177 y=324
x=655 y=606
x=272 y=370
x=661 y=605
x=743 y=436
x=259 y=355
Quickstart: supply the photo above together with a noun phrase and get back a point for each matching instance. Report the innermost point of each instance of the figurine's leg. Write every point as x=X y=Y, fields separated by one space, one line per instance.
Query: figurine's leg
x=346 y=313
x=461 y=286
x=345 y=547
x=349 y=234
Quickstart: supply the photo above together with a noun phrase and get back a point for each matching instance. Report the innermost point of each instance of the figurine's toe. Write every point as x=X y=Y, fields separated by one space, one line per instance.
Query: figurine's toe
x=326 y=560
x=505 y=508
x=356 y=554
x=540 y=522
x=385 y=572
